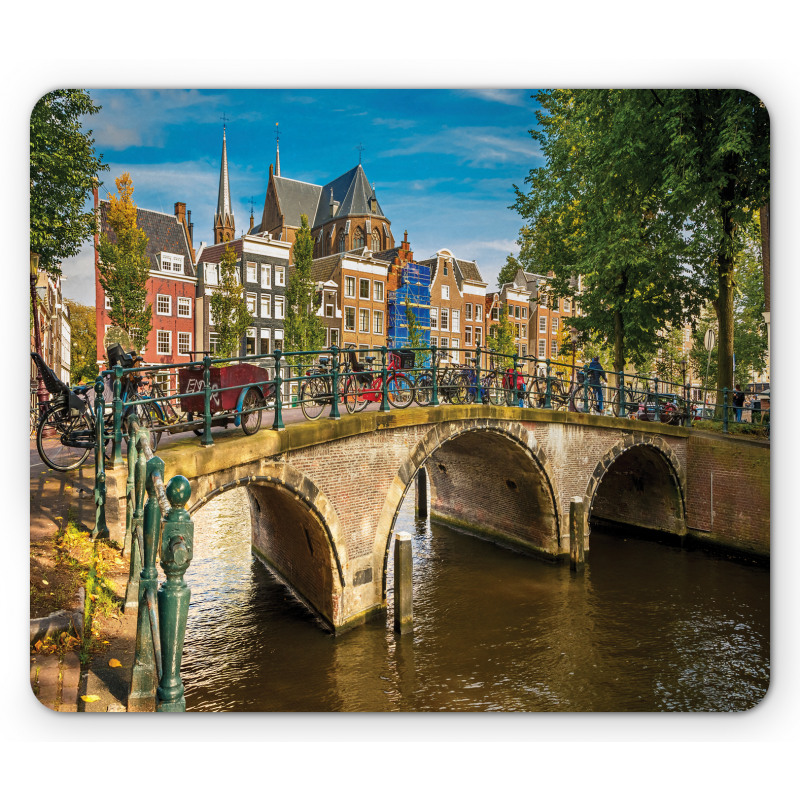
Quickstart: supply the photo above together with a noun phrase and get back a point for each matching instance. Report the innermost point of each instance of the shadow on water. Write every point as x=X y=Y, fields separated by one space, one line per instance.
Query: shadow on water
x=646 y=627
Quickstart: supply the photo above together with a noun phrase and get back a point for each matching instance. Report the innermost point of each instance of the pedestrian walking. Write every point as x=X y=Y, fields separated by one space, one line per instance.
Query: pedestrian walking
x=596 y=375
x=738 y=403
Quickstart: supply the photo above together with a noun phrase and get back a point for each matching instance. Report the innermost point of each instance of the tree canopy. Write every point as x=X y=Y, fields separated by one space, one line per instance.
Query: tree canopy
x=83 y=343
x=63 y=169
x=124 y=265
x=642 y=198
x=229 y=307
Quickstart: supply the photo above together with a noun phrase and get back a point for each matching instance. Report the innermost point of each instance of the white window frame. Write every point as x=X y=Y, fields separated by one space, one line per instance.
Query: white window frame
x=361 y=295
x=363 y=316
x=346 y=327
x=542 y=324
x=265 y=336
x=279 y=307
x=349 y=286
x=266 y=276
x=171 y=262
x=251 y=298
x=280 y=276
x=542 y=348
x=444 y=319
x=467 y=335
x=567 y=305
x=377 y=291
x=212 y=274
x=377 y=323
x=266 y=303
x=168 y=312
x=468 y=312
x=213 y=342
x=434 y=318
x=455 y=321
x=185 y=302
x=553 y=348
x=108 y=303
x=159 y=350
x=445 y=290
x=455 y=344
x=478 y=336
x=183 y=352
x=251 y=269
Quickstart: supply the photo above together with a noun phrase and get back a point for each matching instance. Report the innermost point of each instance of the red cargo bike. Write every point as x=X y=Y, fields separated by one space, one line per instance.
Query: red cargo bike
x=239 y=393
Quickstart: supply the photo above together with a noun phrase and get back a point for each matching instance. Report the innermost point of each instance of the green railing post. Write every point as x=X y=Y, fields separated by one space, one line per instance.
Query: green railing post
x=145 y=676
x=101 y=530
x=478 y=387
x=278 y=421
x=206 y=440
x=130 y=486
x=335 y=383
x=177 y=544
x=621 y=393
x=435 y=373
x=688 y=405
x=547 y=387
x=137 y=532
x=724 y=410
x=586 y=395
x=657 y=416
x=384 y=374
x=117 y=459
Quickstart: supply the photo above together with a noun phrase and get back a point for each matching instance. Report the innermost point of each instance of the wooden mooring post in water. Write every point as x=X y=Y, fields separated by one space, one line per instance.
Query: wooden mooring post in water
x=403 y=613
x=576 y=532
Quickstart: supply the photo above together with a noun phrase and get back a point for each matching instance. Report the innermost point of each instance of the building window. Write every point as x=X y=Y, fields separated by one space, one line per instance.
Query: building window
x=478 y=336
x=163 y=305
x=376 y=242
x=185 y=307
x=358 y=238
x=329 y=308
x=213 y=342
x=524 y=312
x=164 y=343
x=455 y=321
x=478 y=313
x=363 y=320
x=567 y=305
x=266 y=305
x=516 y=330
x=542 y=346
x=108 y=303
x=266 y=276
x=516 y=312
x=377 y=318
x=445 y=290
x=495 y=313
x=542 y=324
x=340 y=243
x=444 y=320
x=555 y=324
x=210 y=315
x=170 y=262
x=211 y=274
x=349 y=287
x=252 y=272
x=279 y=307
x=434 y=318
x=444 y=270
x=265 y=341
x=280 y=276
x=334 y=337
x=468 y=311
x=250 y=342
x=251 y=303
x=377 y=291
x=184 y=342
x=363 y=288
x=349 y=318
x=467 y=335
x=455 y=344
x=524 y=349
x=554 y=348
x=542 y=300
x=434 y=341
x=524 y=331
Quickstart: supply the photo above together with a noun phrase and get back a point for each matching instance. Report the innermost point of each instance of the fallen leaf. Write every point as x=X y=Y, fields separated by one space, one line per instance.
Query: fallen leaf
x=114 y=663
x=118 y=561
x=105 y=642
x=46 y=583
x=90 y=698
x=38 y=646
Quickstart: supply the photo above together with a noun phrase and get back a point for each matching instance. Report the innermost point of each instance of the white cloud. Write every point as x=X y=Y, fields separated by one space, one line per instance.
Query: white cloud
x=508 y=97
x=394 y=123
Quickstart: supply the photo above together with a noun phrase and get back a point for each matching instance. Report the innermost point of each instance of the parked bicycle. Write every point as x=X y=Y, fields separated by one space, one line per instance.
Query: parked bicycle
x=448 y=382
x=317 y=389
x=66 y=435
x=363 y=384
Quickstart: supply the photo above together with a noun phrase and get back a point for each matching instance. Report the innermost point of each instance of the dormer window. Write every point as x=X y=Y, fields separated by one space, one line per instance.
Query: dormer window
x=211 y=274
x=170 y=262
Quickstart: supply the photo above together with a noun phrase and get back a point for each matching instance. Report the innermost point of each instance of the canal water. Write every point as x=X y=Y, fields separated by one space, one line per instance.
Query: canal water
x=646 y=627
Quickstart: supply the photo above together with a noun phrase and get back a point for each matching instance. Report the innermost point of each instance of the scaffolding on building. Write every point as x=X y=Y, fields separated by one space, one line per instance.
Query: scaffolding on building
x=414 y=289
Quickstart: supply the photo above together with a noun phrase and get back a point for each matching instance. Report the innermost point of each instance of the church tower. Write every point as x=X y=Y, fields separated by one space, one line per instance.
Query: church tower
x=224 y=227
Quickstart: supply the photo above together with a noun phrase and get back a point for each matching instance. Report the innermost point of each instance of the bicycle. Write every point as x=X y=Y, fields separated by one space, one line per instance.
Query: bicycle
x=66 y=431
x=561 y=395
x=363 y=386
x=452 y=383
x=317 y=390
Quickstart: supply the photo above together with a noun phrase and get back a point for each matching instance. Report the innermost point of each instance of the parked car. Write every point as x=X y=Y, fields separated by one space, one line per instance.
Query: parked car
x=702 y=412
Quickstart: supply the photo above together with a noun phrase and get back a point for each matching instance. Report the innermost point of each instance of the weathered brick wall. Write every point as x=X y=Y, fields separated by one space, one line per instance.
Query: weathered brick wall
x=728 y=492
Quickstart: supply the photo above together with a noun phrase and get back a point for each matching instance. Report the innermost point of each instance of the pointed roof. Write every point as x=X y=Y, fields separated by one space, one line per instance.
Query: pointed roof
x=352 y=191
x=224 y=197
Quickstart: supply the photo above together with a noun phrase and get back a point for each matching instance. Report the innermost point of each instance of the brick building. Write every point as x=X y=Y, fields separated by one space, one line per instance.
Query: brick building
x=171 y=285
x=458 y=297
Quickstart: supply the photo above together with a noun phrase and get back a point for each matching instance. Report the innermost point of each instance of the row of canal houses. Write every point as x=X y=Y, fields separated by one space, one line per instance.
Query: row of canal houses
x=362 y=275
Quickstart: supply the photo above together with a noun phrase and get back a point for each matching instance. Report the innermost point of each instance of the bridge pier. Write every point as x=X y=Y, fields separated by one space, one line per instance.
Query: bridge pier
x=421 y=493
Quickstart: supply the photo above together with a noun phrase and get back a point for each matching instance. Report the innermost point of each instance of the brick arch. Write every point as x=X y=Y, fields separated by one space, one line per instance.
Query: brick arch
x=293 y=489
x=647 y=445
x=434 y=439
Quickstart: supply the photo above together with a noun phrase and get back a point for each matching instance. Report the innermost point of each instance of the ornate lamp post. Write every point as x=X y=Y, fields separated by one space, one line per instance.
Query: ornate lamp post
x=41 y=393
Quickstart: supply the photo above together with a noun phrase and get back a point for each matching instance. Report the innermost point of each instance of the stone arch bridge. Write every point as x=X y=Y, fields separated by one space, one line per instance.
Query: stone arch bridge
x=324 y=495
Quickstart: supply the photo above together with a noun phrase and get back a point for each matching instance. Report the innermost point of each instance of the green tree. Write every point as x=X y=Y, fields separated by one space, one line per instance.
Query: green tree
x=595 y=210
x=508 y=271
x=415 y=338
x=229 y=308
x=63 y=170
x=83 y=343
x=500 y=339
x=304 y=331
x=124 y=266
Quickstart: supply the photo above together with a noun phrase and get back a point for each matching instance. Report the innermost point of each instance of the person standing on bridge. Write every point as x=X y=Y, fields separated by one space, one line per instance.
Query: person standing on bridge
x=596 y=375
x=738 y=402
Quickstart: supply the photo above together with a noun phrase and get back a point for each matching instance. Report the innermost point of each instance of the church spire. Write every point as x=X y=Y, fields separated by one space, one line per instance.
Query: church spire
x=277 y=151
x=224 y=227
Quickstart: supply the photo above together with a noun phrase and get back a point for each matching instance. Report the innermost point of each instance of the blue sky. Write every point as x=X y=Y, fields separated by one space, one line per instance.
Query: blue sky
x=443 y=162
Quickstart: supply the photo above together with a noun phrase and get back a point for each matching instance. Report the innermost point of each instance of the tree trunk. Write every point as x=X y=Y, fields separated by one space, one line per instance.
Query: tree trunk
x=724 y=308
x=764 y=217
x=619 y=353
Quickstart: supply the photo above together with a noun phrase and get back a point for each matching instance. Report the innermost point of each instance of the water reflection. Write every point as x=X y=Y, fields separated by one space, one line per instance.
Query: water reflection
x=646 y=627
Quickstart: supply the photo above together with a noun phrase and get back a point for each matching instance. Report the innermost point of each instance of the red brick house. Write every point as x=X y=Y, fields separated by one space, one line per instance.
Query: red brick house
x=171 y=286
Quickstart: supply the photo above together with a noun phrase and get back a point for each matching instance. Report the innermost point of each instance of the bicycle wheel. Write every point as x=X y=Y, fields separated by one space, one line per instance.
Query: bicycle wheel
x=149 y=415
x=494 y=389
x=460 y=391
x=400 y=391
x=251 y=419
x=57 y=435
x=354 y=394
x=423 y=388
x=313 y=394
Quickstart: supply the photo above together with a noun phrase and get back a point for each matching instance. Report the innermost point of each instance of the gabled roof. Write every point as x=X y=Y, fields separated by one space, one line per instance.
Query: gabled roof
x=212 y=253
x=164 y=235
x=352 y=191
x=296 y=198
x=469 y=270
